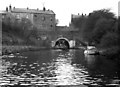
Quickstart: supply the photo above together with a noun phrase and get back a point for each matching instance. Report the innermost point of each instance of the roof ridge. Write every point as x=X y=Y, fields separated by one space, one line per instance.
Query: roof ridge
x=32 y=10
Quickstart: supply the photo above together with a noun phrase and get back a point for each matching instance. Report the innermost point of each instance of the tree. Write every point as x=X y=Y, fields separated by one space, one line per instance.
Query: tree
x=97 y=24
x=109 y=40
x=102 y=26
x=19 y=29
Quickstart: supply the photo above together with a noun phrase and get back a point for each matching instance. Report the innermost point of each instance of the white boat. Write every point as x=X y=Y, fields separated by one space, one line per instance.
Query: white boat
x=91 y=50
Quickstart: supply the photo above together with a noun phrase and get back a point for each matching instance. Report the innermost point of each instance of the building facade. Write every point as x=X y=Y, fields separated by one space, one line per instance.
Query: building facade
x=41 y=19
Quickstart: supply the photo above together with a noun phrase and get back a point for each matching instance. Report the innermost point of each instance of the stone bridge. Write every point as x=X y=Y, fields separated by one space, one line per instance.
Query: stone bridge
x=70 y=37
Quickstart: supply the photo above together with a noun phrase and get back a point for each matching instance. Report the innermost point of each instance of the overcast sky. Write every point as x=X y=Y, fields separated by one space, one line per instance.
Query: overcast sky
x=64 y=8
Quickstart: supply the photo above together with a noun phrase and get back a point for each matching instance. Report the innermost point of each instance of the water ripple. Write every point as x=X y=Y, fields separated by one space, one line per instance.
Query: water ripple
x=17 y=69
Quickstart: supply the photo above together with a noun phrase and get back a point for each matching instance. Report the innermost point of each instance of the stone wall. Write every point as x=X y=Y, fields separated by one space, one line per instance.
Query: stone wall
x=44 y=21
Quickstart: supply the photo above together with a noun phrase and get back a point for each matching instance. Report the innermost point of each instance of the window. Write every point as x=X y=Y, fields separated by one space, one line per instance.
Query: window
x=51 y=19
x=35 y=15
x=27 y=16
x=3 y=16
x=51 y=25
x=18 y=16
x=43 y=18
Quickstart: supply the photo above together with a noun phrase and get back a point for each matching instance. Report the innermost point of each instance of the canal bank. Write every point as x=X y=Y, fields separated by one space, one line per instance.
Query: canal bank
x=112 y=52
x=19 y=48
x=6 y=49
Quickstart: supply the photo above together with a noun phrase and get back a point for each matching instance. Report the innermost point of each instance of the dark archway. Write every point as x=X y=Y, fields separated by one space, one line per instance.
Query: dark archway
x=62 y=43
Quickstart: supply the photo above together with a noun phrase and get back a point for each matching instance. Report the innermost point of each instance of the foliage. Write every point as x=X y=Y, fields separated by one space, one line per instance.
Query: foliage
x=102 y=26
x=99 y=27
x=109 y=40
x=21 y=29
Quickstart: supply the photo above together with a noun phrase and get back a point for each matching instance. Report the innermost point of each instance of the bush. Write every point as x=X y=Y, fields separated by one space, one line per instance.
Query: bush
x=21 y=30
x=109 y=40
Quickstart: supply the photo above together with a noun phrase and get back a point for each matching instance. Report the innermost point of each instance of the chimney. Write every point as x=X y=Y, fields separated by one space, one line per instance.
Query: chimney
x=10 y=7
x=7 y=9
x=44 y=8
x=90 y=14
x=82 y=15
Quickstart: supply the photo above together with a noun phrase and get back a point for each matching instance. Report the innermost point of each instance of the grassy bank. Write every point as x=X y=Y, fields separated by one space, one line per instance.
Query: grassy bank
x=13 y=49
x=112 y=52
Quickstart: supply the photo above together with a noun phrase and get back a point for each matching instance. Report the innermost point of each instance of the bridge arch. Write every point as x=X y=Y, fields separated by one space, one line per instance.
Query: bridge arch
x=62 y=41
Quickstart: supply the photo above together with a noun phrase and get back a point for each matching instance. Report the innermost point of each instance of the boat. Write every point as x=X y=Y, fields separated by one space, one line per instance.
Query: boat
x=91 y=50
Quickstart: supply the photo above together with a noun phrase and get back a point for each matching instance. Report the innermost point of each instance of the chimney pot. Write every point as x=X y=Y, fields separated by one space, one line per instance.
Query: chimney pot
x=44 y=8
x=10 y=7
x=7 y=9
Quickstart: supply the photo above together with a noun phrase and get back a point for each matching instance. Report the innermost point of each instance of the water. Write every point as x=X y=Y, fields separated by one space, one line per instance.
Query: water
x=56 y=67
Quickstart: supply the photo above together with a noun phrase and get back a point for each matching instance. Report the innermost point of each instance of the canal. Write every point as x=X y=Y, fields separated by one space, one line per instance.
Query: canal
x=58 y=67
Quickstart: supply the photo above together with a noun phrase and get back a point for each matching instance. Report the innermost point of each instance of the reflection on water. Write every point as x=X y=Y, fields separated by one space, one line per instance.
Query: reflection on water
x=66 y=72
x=56 y=67
x=90 y=59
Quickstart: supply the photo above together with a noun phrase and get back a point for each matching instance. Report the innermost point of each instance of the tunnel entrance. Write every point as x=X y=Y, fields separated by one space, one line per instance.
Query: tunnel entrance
x=62 y=44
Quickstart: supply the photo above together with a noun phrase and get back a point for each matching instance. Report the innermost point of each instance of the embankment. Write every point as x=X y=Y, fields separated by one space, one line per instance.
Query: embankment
x=14 y=49
x=112 y=52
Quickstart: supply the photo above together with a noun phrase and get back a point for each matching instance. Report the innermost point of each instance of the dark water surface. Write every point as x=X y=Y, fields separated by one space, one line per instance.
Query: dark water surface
x=58 y=67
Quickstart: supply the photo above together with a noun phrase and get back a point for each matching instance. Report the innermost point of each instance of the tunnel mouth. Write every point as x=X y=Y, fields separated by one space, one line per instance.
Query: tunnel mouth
x=62 y=44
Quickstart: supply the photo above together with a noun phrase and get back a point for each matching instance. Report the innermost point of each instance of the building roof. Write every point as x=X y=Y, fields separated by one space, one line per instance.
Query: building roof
x=25 y=10
x=3 y=12
x=75 y=16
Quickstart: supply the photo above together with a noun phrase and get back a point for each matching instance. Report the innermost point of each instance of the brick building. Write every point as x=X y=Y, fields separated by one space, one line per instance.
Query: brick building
x=42 y=19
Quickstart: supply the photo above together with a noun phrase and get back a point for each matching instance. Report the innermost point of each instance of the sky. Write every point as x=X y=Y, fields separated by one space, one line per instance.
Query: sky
x=64 y=8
